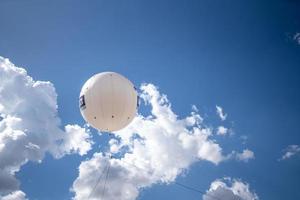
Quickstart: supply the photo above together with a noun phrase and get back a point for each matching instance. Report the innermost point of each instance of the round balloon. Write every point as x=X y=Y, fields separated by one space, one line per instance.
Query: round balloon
x=108 y=101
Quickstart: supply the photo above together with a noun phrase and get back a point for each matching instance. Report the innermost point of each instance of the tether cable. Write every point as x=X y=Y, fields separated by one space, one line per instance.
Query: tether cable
x=107 y=173
x=179 y=184
x=195 y=190
x=98 y=180
x=122 y=160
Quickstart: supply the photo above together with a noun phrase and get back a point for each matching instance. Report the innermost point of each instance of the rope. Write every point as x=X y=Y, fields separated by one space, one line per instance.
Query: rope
x=107 y=169
x=122 y=160
x=107 y=173
x=98 y=181
x=196 y=190
x=181 y=184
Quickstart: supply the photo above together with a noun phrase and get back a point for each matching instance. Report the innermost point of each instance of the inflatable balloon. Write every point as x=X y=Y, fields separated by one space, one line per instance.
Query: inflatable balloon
x=108 y=101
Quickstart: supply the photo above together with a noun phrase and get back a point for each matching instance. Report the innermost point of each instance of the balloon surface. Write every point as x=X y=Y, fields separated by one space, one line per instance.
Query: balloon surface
x=108 y=101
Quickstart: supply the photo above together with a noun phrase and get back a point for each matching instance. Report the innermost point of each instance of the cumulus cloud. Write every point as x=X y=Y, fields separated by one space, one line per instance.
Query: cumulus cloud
x=154 y=149
x=290 y=151
x=30 y=127
x=229 y=189
x=222 y=130
x=16 y=195
x=221 y=113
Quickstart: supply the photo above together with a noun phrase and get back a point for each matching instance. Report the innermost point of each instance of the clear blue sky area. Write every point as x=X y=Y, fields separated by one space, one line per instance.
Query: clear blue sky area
x=240 y=55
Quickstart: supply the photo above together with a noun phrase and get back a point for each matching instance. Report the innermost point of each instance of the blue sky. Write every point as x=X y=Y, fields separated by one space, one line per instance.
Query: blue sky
x=241 y=55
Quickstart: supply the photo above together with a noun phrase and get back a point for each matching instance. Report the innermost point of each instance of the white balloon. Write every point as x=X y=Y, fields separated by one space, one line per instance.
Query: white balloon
x=108 y=101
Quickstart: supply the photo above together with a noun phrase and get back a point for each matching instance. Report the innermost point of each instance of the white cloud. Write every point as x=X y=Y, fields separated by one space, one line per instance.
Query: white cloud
x=221 y=113
x=77 y=139
x=158 y=147
x=222 y=130
x=246 y=155
x=30 y=127
x=290 y=151
x=296 y=37
x=229 y=189
x=16 y=195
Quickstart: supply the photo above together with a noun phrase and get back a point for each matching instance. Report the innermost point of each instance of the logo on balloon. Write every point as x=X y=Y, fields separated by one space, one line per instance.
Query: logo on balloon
x=82 y=102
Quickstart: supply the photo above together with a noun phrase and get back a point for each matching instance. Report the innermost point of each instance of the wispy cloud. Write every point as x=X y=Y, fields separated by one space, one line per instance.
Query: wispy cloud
x=246 y=155
x=222 y=130
x=290 y=151
x=221 y=113
x=229 y=189
x=296 y=38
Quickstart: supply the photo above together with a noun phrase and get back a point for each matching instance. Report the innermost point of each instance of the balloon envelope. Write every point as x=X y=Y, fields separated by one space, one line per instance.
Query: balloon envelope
x=108 y=101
